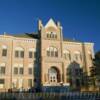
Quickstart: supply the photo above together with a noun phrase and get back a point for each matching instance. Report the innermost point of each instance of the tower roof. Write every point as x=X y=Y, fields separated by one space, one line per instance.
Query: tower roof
x=51 y=23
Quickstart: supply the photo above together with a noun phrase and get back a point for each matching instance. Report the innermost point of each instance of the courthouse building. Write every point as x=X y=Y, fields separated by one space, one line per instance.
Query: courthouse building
x=44 y=57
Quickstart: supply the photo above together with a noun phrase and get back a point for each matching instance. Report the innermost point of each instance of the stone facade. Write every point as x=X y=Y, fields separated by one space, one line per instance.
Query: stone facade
x=45 y=58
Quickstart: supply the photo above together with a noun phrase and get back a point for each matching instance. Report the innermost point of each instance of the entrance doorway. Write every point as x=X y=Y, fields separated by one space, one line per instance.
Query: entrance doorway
x=54 y=75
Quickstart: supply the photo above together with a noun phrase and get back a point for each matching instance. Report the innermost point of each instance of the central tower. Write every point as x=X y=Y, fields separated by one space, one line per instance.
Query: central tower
x=51 y=53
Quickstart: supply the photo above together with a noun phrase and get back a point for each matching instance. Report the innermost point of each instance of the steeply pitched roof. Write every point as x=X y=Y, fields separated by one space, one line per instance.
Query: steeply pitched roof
x=51 y=23
x=26 y=35
x=36 y=36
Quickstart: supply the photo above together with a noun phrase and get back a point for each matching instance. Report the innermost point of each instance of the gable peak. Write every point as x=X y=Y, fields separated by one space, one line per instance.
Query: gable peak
x=51 y=23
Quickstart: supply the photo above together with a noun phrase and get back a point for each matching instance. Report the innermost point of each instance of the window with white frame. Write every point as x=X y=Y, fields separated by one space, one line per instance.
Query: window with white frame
x=21 y=70
x=52 y=52
x=18 y=69
x=2 y=69
x=77 y=56
x=19 y=52
x=30 y=69
x=32 y=53
x=2 y=82
x=52 y=35
x=4 y=51
x=15 y=70
x=66 y=55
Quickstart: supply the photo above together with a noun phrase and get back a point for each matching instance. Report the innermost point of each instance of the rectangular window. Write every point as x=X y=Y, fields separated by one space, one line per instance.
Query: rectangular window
x=48 y=35
x=2 y=82
x=56 y=54
x=30 y=71
x=48 y=53
x=52 y=53
x=4 y=52
x=30 y=54
x=22 y=54
x=55 y=36
x=21 y=70
x=15 y=70
x=2 y=70
x=30 y=82
x=16 y=54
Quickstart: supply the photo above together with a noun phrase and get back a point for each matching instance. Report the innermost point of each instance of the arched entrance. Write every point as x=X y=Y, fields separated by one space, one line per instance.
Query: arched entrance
x=54 y=75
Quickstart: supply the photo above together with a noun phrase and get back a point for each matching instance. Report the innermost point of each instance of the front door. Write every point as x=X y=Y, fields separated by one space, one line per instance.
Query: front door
x=53 y=75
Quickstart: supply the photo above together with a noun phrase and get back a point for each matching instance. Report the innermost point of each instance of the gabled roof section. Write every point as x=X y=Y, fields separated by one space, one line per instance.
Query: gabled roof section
x=26 y=35
x=21 y=35
x=51 y=23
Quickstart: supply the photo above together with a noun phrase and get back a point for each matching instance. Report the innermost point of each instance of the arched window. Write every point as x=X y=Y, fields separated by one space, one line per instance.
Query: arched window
x=77 y=56
x=52 y=52
x=32 y=53
x=4 y=50
x=67 y=55
x=52 y=35
x=48 y=35
x=19 y=52
x=48 y=52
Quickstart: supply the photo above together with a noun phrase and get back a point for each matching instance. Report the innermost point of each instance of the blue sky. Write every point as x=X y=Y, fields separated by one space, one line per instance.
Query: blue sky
x=80 y=18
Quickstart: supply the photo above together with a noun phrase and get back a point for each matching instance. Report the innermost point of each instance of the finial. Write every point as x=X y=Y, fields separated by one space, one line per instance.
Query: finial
x=40 y=25
x=4 y=33
x=58 y=23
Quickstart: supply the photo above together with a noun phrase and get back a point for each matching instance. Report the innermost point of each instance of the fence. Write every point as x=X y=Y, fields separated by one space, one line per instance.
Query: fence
x=51 y=96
